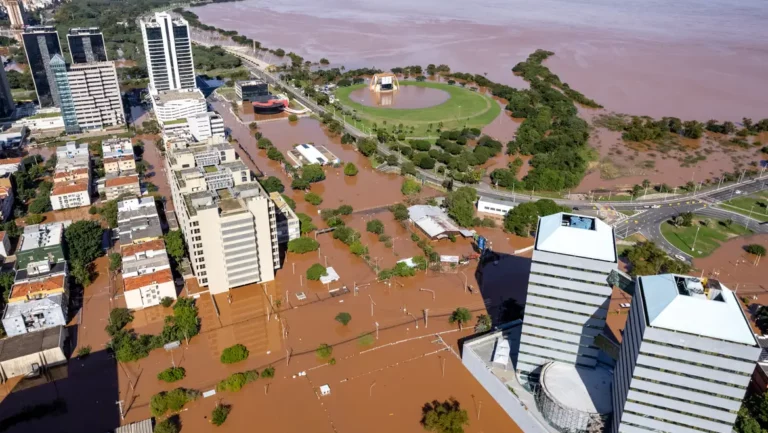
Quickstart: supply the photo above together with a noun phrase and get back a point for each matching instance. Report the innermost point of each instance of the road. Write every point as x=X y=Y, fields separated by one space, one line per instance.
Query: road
x=653 y=212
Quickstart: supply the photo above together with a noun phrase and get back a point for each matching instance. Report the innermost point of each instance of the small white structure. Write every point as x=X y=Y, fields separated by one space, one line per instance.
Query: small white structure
x=435 y=223
x=330 y=277
x=494 y=207
x=325 y=390
x=306 y=153
x=9 y=166
x=501 y=352
x=5 y=245
x=70 y=195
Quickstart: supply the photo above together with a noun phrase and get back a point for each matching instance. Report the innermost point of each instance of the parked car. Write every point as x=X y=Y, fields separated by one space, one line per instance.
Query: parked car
x=680 y=257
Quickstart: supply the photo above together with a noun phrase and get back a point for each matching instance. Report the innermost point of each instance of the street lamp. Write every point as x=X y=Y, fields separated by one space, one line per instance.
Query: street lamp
x=695 y=238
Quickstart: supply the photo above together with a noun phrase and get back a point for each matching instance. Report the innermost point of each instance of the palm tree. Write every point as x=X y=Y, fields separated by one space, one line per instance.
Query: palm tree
x=460 y=315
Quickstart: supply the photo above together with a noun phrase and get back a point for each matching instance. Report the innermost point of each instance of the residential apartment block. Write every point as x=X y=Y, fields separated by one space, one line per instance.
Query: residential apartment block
x=116 y=147
x=686 y=359
x=6 y=198
x=38 y=299
x=168 y=51
x=173 y=107
x=72 y=179
x=41 y=243
x=114 y=187
x=119 y=164
x=228 y=220
x=138 y=221
x=147 y=276
x=568 y=292
x=288 y=227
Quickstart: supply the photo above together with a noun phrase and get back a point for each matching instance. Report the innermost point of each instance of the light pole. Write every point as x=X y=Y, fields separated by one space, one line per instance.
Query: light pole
x=695 y=238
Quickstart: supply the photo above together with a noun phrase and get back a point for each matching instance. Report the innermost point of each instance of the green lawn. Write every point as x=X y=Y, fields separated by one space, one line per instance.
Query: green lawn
x=23 y=95
x=464 y=108
x=710 y=235
x=227 y=93
x=628 y=212
x=743 y=204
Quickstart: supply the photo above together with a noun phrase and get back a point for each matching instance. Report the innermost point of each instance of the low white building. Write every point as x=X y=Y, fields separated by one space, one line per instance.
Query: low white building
x=71 y=195
x=149 y=289
x=9 y=166
x=491 y=206
x=26 y=354
x=5 y=245
x=71 y=150
x=116 y=147
x=304 y=154
x=43 y=120
x=435 y=223
x=174 y=106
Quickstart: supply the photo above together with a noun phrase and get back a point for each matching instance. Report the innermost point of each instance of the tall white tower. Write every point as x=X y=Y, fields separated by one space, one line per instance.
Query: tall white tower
x=168 y=49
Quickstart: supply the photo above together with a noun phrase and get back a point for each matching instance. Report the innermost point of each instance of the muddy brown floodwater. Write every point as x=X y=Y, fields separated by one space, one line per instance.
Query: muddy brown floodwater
x=404 y=97
x=645 y=57
x=368 y=190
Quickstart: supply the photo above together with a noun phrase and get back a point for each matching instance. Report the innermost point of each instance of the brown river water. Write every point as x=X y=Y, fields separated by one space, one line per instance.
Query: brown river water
x=651 y=57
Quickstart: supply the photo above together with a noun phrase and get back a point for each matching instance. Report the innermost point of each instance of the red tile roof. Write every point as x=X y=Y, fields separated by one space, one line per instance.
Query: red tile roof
x=159 y=277
x=6 y=161
x=24 y=289
x=77 y=186
x=119 y=181
x=133 y=249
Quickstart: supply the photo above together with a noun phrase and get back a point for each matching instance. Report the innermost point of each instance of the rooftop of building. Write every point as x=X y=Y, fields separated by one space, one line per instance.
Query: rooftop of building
x=10 y=161
x=110 y=159
x=133 y=249
x=70 y=188
x=153 y=20
x=159 y=277
x=41 y=236
x=31 y=343
x=72 y=146
x=581 y=389
x=75 y=172
x=121 y=181
x=36 y=270
x=251 y=82
x=178 y=95
x=84 y=31
x=41 y=285
x=490 y=200
x=39 y=29
x=702 y=307
x=576 y=235
x=153 y=262
x=35 y=306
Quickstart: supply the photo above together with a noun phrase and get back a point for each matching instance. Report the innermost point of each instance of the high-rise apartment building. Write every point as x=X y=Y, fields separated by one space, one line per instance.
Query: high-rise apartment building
x=96 y=95
x=41 y=43
x=686 y=359
x=89 y=94
x=568 y=292
x=7 y=106
x=15 y=13
x=168 y=50
x=86 y=45
x=228 y=220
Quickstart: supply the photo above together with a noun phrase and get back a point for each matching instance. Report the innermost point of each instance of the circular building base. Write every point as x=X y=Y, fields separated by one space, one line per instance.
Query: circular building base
x=572 y=398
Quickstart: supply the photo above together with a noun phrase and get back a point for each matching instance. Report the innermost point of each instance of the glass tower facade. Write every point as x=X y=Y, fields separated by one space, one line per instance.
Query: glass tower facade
x=41 y=43
x=67 y=104
x=87 y=45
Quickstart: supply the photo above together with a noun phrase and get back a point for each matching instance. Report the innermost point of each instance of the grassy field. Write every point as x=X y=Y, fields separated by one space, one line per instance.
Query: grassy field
x=711 y=234
x=464 y=108
x=743 y=204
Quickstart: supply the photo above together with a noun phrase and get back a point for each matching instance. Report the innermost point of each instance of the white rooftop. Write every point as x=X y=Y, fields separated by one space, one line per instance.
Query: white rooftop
x=41 y=235
x=580 y=388
x=311 y=154
x=135 y=204
x=715 y=313
x=576 y=235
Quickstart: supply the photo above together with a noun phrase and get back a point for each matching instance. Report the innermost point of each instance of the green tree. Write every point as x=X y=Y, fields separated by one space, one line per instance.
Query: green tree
x=461 y=205
x=82 y=272
x=268 y=373
x=324 y=351
x=343 y=318
x=220 y=414
x=40 y=205
x=400 y=211
x=350 y=169
x=483 y=323
x=291 y=202
x=755 y=249
x=313 y=198
x=109 y=212
x=174 y=245
x=687 y=219
x=118 y=318
x=299 y=183
x=444 y=417
x=184 y=324
x=84 y=241
x=115 y=261
x=358 y=249
x=275 y=155
x=367 y=146
x=312 y=173
x=303 y=245
x=234 y=354
x=172 y=401
x=305 y=223
x=172 y=374
x=293 y=118
x=410 y=187
x=461 y=316
x=167 y=426
x=273 y=184
x=6 y=282
x=34 y=219
x=315 y=272
x=375 y=226
x=344 y=209
x=264 y=143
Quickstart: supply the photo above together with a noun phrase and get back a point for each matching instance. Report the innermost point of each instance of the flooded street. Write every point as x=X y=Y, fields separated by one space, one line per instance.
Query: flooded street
x=404 y=97
x=689 y=60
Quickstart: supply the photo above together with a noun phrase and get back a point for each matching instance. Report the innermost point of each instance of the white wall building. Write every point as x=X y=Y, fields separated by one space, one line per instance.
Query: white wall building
x=228 y=220
x=9 y=166
x=149 y=289
x=206 y=125
x=116 y=147
x=686 y=359
x=568 y=292
x=168 y=51
x=175 y=106
x=96 y=95
x=70 y=195
x=499 y=208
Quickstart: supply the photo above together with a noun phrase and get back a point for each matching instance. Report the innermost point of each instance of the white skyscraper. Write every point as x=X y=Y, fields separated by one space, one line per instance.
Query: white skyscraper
x=686 y=359
x=168 y=50
x=568 y=292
